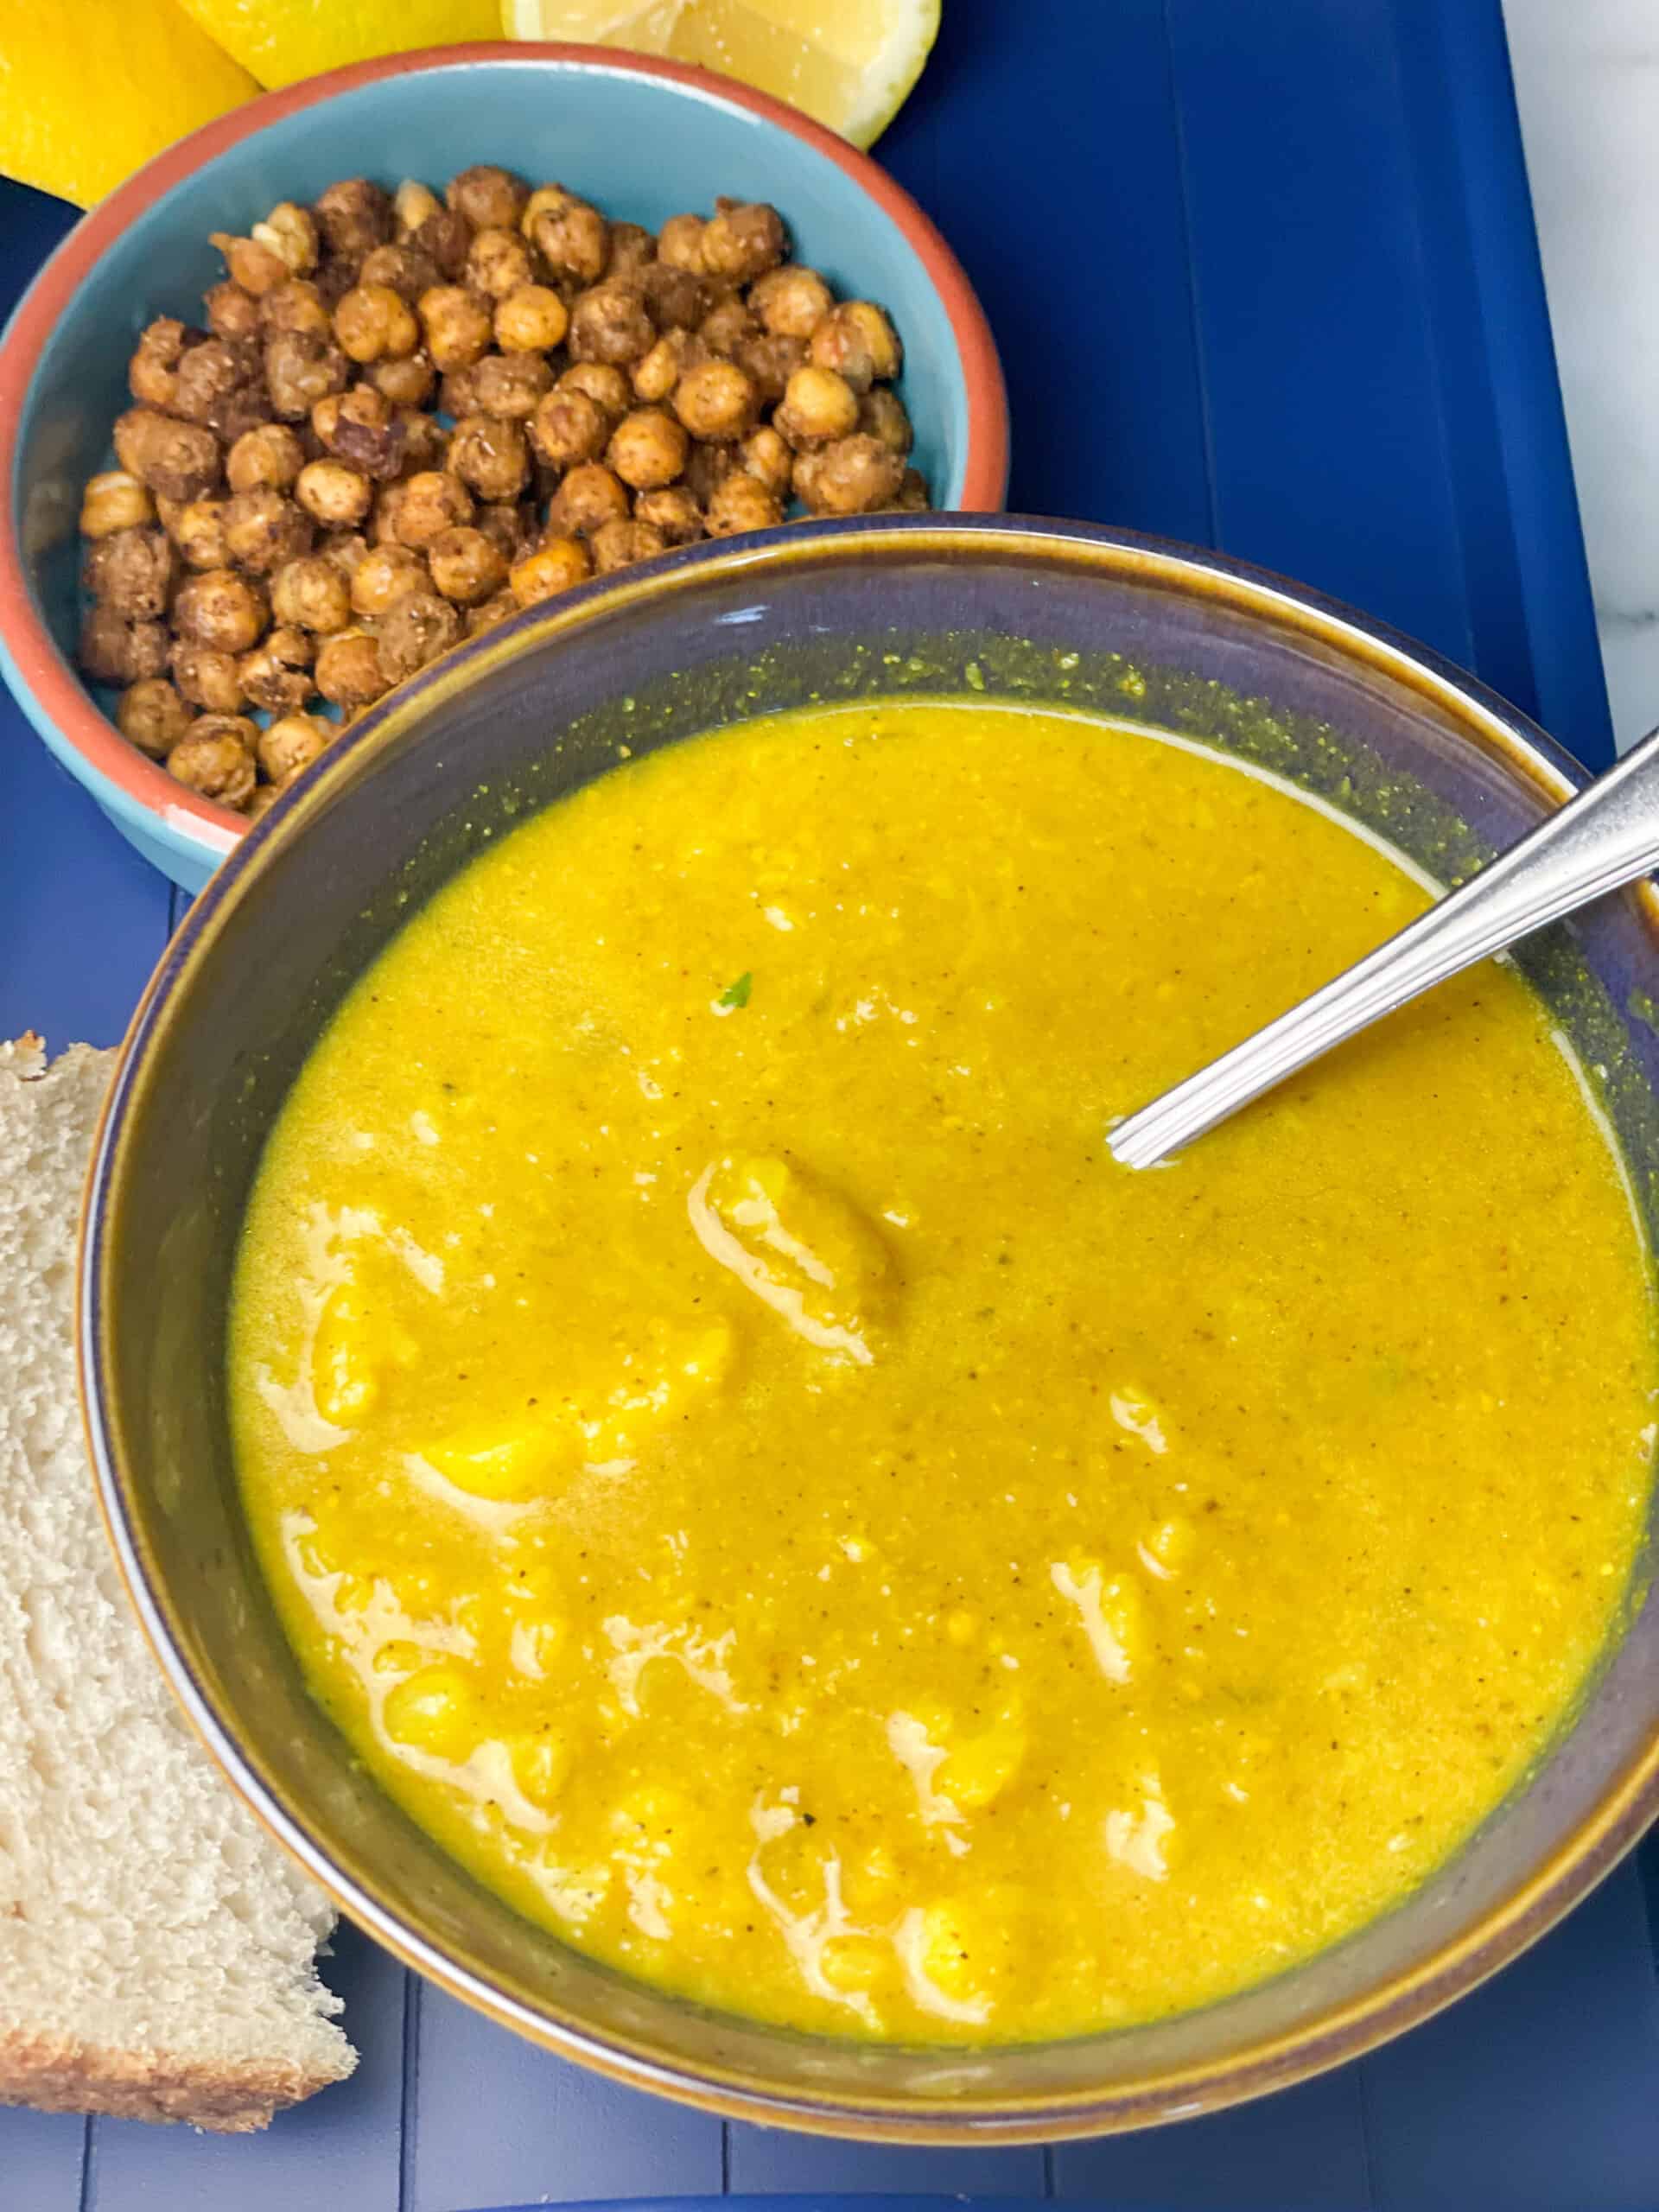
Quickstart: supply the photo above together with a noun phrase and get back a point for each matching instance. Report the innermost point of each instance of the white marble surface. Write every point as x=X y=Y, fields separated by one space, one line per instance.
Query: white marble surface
x=1586 y=74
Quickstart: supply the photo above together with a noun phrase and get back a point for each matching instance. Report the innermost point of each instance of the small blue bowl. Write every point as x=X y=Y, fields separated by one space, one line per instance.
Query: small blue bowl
x=645 y=139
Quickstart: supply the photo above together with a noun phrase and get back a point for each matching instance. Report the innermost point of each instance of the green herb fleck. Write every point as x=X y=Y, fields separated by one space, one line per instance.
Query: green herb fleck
x=736 y=993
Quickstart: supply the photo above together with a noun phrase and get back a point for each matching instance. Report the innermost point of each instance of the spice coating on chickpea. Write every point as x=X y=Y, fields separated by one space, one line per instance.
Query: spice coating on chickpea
x=347 y=670
x=407 y=381
x=458 y=324
x=485 y=617
x=770 y=361
x=498 y=263
x=490 y=456
x=405 y=269
x=303 y=368
x=725 y=327
x=420 y=627
x=674 y=512
x=296 y=310
x=215 y=757
x=882 y=415
x=432 y=503
x=131 y=571
x=312 y=593
x=270 y=456
x=817 y=405
x=353 y=216
x=264 y=529
x=115 y=648
x=764 y=454
x=680 y=242
x=372 y=322
x=389 y=573
x=206 y=677
x=556 y=565
x=289 y=747
x=741 y=502
x=362 y=427
x=490 y=198
x=334 y=493
x=744 y=239
x=853 y=476
x=530 y=318
x=221 y=609
x=858 y=342
x=791 y=301
x=153 y=370
x=198 y=531
x=610 y=322
x=466 y=566
x=715 y=400
x=511 y=385
x=589 y=497
x=231 y=312
x=114 y=501
x=572 y=238
x=619 y=544
x=648 y=448
x=248 y=263
x=179 y=459
x=276 y=674
x=153 y=716
x=602 y=383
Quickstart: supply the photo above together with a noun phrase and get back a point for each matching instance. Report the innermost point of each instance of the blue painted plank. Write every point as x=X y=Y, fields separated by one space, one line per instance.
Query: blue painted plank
x=1539 y=2092
x=41 y=2160
x=1053 y=163
x=1302 y=2151
x=340 y=2149
x=496 y=2119
x=765 y=2160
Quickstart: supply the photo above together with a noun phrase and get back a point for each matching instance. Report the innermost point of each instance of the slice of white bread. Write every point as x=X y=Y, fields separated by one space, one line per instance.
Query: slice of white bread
x=157 y=1950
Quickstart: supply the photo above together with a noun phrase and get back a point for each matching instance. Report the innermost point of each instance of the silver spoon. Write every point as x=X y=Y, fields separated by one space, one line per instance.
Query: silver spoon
x=1606 y=837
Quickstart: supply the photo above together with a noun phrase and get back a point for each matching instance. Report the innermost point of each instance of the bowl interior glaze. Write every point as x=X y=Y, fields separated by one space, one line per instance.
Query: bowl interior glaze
x=628 y=134
x=1047 y=613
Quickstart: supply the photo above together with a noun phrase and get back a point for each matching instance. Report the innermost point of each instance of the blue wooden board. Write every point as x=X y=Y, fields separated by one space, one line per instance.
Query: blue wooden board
x=1264 y=276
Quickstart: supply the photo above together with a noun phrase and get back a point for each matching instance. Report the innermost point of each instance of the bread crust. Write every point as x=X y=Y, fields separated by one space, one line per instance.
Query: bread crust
x=60 y=2074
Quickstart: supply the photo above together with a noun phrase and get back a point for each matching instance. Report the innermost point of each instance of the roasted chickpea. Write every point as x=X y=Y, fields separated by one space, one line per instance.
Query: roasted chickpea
x=631 y=247
x=151 y=715
x=334 y=493
x=301 y=368
x=677 y=299
x=347 y=550
x=715 y=400
x=480 y=619
x=457 y=324
x=311 y=594
x=490 y=456
x=882 y=415
x=432 y=503
x=858 y=342
x=131 y=571
x=679 y=243
x=347 y=670
x=743 y=240
x=362 y=427
x=556 y=565
x=215 y=757
x=742 y=502
x=388 y=506
x=297 y=306
x=726 y=325
x=567 y=428
x=458 y=393
x=445 y=237
x=767 y=456
x=276 y=674
x=353 y=216
x=589 y=497
x=290 y=233
x=388 y=574
x=268 y=458
x=603 y=384
x=231 y=312
x=116 y=649
x=407 y=381
x=609 y=322
x=490 y=198
x=291 y=744
x=153 y=372
x=420 y=627
x=250 y=264
x=372 y=322
x=221 y=609
x=708 y=465
x=198 y=532
x=770 y=361
x=498 y=262
x=264 y=529
x=791 y=301
x=530 y=318
x=912 y=497
x=207 y=678
x=654 y=375
x=816 y=406
x=466 y=566
x=511 y=385
x=619 y=544
x=573 y=239
x=412 y=204
x=672 y=511
x=426 y=442
x=852 y=476
x=511 y=529
x=403 y=269
x=179 y=459
x=113 y=501
x=220 y=384
x=648 y=448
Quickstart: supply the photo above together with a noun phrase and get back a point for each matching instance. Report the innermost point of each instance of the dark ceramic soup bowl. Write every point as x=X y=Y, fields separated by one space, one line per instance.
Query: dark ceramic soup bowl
x=997 y=610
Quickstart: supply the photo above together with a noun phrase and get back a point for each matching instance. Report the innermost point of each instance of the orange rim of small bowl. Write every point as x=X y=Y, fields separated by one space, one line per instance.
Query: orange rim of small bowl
x=42 y=667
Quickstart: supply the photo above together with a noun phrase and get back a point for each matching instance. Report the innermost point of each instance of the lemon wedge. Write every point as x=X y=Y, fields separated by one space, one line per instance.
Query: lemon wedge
x=282 y=41
x=850 y=64
x=89 y=93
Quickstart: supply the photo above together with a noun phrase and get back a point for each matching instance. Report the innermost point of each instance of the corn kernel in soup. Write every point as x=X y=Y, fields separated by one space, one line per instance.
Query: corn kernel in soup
x=757 y=1482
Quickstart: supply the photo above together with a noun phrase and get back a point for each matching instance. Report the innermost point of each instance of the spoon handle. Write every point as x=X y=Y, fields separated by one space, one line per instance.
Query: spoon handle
x=1605 y=836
